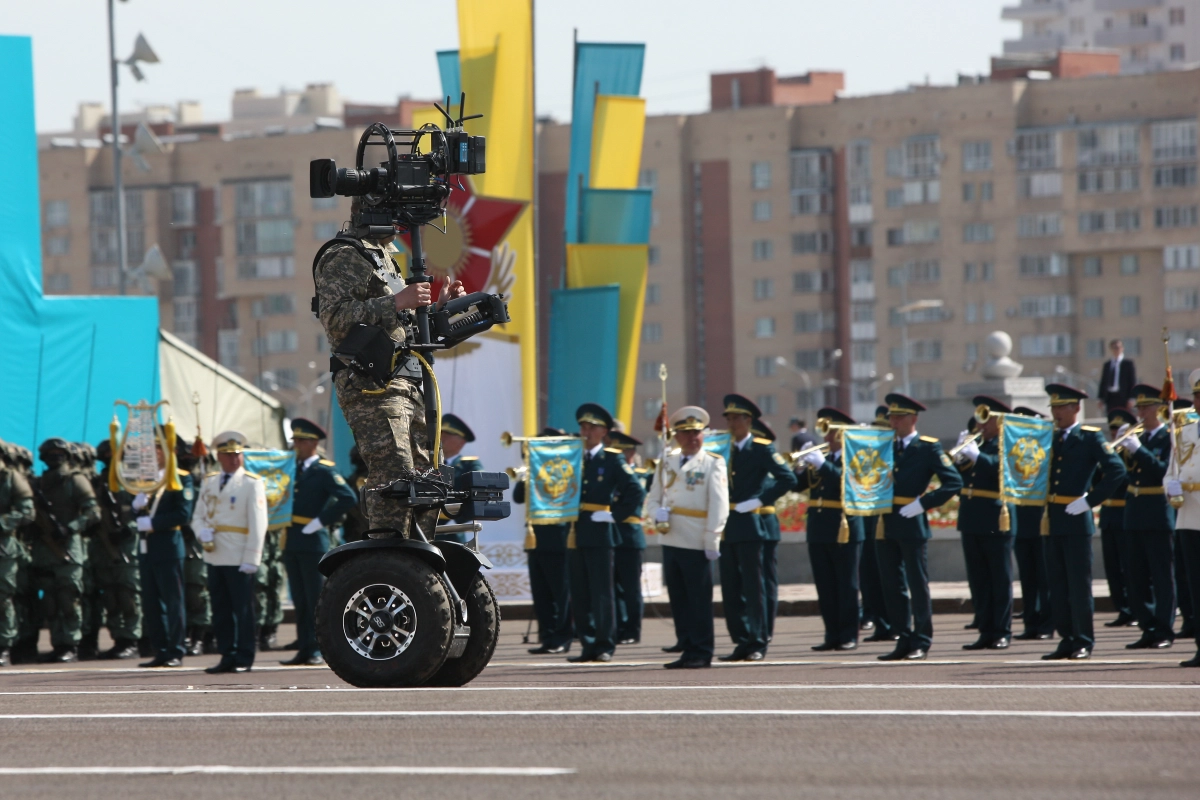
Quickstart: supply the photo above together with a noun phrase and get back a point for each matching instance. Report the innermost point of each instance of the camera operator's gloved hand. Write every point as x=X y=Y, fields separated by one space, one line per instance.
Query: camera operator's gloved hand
x=1174 y=488
x=140 y=502
x=662 y=515
x=712 y=555
x=814 y=459
x=248 y=569
x=205 y=535
x=913 y=509
x=414 y=295
x=450 y=291
x=145 y=524
x=313 y=526
x=602 y=516
x=746 y=506
x=1077 y=507
x=1132 y=445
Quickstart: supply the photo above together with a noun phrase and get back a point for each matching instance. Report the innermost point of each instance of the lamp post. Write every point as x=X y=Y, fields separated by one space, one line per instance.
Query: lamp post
x=783 y=362
x=141 y=52
x=904 y=311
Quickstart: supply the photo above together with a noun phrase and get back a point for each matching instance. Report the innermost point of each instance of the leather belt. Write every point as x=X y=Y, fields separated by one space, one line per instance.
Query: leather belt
x=819 y=503
x=759 y=510
x=594 y=507
x=903 y=501
x=1062 y=499
x=1114 y=503
x=1141 y=490
x=230 y=529
x=986 y=494
x=695 y=513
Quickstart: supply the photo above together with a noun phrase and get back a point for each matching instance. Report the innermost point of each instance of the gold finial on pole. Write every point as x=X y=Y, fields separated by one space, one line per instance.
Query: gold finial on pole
x=664 y=437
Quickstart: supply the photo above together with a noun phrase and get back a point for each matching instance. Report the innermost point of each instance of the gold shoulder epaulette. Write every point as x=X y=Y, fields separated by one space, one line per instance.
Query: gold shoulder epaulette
x=469 y=458
x=211 y=474
x=327 y=462
x=929 y=439
x=757 y=440
x=1091 y=428
x=616 y=450
x=254 y=475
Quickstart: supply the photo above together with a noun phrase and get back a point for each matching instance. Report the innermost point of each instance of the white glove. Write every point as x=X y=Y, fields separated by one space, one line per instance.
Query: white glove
x=313 y=526
x=746 y=506
x=970 y=452
x=814 y=459
x=712 y=555
x=1121 y=430
x=205 y=535
x=140 y=502
x=145 y=524
x=249 y=569
x=913 y=509
x=1077 y=507
x=1132 y=445
x=662 y=515
x=1174 y=487
x=602 y=516
x=962 y=437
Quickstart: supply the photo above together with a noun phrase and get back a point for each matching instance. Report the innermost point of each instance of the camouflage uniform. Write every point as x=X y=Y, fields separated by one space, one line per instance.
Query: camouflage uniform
x=388 y=425
x=16 y=509
x=268 y=589
x=113 y=563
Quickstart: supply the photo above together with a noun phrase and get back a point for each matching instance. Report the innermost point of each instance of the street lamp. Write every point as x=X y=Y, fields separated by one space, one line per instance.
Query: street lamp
x=783 y=362
x=143 y=53
x=904 y=311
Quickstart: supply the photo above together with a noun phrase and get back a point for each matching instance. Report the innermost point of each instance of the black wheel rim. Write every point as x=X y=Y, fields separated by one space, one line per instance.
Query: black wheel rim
x=379 y=622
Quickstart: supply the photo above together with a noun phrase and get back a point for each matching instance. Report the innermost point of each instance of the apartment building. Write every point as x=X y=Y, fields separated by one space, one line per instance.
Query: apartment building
x=1149 y=35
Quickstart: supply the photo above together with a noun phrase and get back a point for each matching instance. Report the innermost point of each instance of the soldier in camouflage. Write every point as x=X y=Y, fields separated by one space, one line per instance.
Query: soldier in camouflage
x=114 y=563
x=389 y=427
x=16 y=510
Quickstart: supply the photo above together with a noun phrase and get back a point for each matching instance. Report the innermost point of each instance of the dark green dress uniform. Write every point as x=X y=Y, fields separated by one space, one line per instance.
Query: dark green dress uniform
x=16 y=511
x=762 y=430
x=627 y=556
x=608 y=485
x=1076 y=455
x=1115 y=543
x=161 y=564
x=1150 y=520
x=903 y=553
x=988 y=549
x=833 y=552
x=549 y=581
x=753 y=465
x=1030 y=551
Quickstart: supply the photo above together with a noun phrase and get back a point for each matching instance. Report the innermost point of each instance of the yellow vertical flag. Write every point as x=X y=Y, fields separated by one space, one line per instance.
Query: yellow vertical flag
x=496 y=61
x=625 y=265
x=618 y=127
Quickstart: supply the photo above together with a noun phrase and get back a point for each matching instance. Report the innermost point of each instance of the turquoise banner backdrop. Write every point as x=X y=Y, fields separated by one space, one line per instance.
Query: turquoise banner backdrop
x=583 y=352
x=616 y=216
x=868 y=461
x=555 y=472
x=1025 y=459
x=718 y=442
x=278 y=470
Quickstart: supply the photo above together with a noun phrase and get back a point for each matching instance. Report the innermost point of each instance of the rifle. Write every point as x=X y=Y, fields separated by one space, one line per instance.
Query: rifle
x=53 y=532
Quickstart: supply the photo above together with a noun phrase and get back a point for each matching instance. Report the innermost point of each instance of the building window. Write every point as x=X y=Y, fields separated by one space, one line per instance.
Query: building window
x=652 y=332
x=272 y=305
x=985 y=191
x=653 y=294
x=1177 y=52
x=275 y=342
x=813 y=321
x=1133 y=345
x=811 y=182
x=1044 y=345
x=324 y=231
x=266 y=268
x=918 y=192
x=915 y=272
x=1131 y=305
x=764 y=289
x=264 y=236
x=1093 y=307
x=1096 y=348
x=1047 y=265
x=1107 y=145
x=652 y=255
x=263 y=199
x=760 y=175
x=975 y=232
x=651 y=407
x=1119 y=219
x=1106 y=181
x=982 y=272
x=1040 y=184
x=1182 y=299
x=971 y=313
x=1129 y=265
x=1175 y=217
x=919 y=316
x=325 y=203
x=894 y=198
x=860 y=236
x=1176 y=176
x=763 y=249
x=1031 y=226
x=1092 y=266
x=862 y=312
x=58 y=245
x=968 y=192
x=1174 y=141
x=977 y=156
x=812 y=280
x=185 y=244
x=1175 y=16
x=58 y=282
x=764 y=366
x=649 y=370
x=1037 y=150
x=185 y=281
x=766 y=403
x=814 y=242
x=1045 y=305
x=58 y=214
x=813 y=359
x=183 y=205
x=921 y=231
x=920 y=351
x=862 y=271
x=922 y=157
x=648 y=178
x=762 y=210
x=1181 y=257
x=764 y=328
x=926 y=389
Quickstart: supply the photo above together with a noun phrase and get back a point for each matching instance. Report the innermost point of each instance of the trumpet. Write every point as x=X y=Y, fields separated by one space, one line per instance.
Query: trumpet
x=794 y=458
x=507 y=439
x=824 y=426
x=973 y=438
x=1119 y=442
x=517 y=473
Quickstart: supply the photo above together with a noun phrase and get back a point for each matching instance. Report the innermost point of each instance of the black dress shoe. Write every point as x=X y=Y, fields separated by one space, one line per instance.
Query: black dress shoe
x=916 y=655
x=1082 y=654
x=896 y=655
x=1194 y=661
x=823 y=647
x=157 y=662
x=867 y=625
x=757 y=655
x=5 y=656
x=1144 y=643
x=65 y=655
x=1161 y=644
x=999 y=644
x=1057 y=655
x=971 y=626
x=675 y=648
x=978 y=644
x=1188 y=631
x=688 y=663
x=848 y=646
x=548 y=650
x=880 y=636
x=602 y=658
x=221 y=668
x=628 y=640
x=295 y=645
x=737 y=655
x=1032 y=635
x=582 y=658
x=1122 y=620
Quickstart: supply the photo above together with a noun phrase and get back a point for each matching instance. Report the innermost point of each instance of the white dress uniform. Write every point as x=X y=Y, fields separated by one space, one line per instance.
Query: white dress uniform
x=697 y=493
x=1188 y=444
x=237 y=515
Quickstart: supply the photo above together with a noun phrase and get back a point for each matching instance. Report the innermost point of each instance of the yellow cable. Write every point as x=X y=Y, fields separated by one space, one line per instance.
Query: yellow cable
x=437 y=431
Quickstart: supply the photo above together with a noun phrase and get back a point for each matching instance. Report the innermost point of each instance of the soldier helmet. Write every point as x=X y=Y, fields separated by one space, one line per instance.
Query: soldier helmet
x=54 y=445
x=104 y=452
x=184 y=457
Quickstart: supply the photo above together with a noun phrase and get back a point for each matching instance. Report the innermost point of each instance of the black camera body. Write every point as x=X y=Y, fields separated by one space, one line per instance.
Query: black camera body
x=473 y=496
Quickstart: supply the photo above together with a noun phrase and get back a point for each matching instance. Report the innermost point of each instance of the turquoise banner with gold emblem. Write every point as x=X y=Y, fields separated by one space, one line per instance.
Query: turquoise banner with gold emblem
x=1025 y=459
x=868 y=461
x=278 y=471
x=555 y=472
x=718 y=442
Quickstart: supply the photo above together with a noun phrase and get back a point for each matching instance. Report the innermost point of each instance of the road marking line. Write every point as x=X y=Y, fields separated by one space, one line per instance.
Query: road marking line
x=887 y=712
x=223 y=769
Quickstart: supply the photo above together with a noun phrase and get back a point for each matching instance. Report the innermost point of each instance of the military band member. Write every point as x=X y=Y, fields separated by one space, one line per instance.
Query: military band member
x=762 y=430
x=1030 y=550
x=753 y=463
x=1186 y=483
x=1150 y=521
x=231 y=517
x=874 y=610
x=834 y=562
x=986 y=545
x=549 y=580
x=693 y=499
x=456 y=434
x=609 y=491
x=903 y=553
x=321 y=498
x=1077 y=452
x=627 y=555
x=1115 y=543
x=16 y=510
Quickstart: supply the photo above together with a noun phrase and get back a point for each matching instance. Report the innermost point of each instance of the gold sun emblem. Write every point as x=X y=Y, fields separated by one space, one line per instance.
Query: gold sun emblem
x=1027 y=458
x=556 y=477
x=869 y=470
x=446 y=254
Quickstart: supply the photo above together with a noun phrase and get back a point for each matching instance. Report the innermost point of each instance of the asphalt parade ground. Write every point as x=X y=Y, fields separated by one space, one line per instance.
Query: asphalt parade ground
x=800 y=724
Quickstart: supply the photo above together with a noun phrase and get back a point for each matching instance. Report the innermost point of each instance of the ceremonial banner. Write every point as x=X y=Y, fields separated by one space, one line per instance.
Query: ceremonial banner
x=868 y=460
x=553 y=484
x=278 y=470
x=1025 y=459
x=718 y=442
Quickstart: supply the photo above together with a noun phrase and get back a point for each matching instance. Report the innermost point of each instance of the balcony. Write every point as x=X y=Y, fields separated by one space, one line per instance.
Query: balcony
x=1045 y=43
x=1130 y=37
x=862 y=331
x=862 y=291
x=1034 y=9
x=1128 y=5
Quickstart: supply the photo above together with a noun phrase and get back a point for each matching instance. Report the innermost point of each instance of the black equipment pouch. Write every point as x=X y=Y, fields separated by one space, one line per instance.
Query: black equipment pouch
x=367 y=350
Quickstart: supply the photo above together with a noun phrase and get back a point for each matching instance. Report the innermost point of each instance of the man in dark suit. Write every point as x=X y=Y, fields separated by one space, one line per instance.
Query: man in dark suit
x=1117 y=378
x=801 y=438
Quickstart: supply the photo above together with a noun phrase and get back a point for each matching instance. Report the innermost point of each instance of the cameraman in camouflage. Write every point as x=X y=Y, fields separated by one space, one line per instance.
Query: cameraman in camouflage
x=358 y=281
x=16 y=510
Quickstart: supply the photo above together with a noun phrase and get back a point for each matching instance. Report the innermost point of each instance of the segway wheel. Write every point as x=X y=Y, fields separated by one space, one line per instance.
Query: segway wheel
x=483 y=614
x=384 y=620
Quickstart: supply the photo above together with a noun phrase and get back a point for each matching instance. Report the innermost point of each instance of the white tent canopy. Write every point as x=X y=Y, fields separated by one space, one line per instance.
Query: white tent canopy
x=195 y=385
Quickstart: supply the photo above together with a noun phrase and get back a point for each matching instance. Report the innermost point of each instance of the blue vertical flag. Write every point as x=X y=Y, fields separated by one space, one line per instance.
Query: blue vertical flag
x=277 y=468
x=553 y=486
x=718 y=442
x=1025 y=459
x=868 y=461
